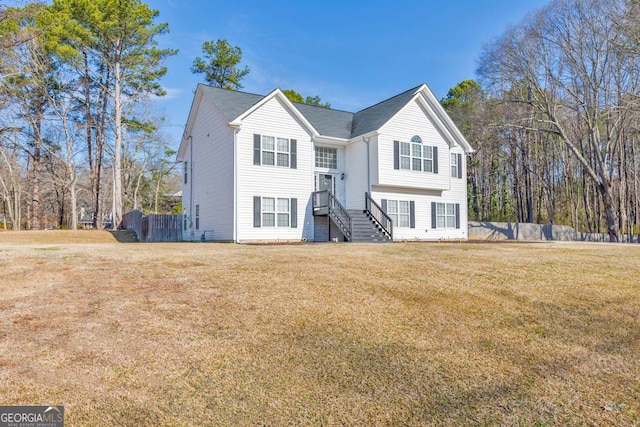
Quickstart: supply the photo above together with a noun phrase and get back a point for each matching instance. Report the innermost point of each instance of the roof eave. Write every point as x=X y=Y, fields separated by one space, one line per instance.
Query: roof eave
x=195 y=104
x=447 y=124
x=323 y=139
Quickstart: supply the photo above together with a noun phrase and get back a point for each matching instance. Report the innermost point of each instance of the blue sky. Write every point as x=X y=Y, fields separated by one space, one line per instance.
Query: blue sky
x=351 y=53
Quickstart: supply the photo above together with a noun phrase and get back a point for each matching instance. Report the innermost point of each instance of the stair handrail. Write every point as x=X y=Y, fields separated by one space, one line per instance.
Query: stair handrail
x=337 y=212
x=379 y=216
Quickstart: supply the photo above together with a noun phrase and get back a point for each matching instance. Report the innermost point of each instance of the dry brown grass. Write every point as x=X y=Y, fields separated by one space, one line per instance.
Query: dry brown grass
x=330 y=334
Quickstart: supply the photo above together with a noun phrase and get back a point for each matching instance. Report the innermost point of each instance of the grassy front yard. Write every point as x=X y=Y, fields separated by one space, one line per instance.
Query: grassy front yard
x=327 y=334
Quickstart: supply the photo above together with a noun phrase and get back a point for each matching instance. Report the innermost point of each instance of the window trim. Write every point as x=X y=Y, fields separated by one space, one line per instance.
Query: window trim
x=407 y=159
x=333 y=165
x=393 y=210
x=276 y=152
x=454 y=165
x=449 y=217
x=276 y=212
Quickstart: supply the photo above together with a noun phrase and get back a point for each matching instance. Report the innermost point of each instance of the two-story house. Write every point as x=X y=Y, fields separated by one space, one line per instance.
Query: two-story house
x=261 y=168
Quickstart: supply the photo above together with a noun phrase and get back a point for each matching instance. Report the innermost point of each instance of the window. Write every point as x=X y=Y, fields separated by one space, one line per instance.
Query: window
x=454 y=165
x=415 y=156
x=186 y=172
x=275 y=212
x=268 y=150
x=398 y=210
x=283 y=212
x=197 y=217
x=268 y=212
x=428 y=159
x=326 y=157
x=283 y=152
x=446 y=215
x=275 y=151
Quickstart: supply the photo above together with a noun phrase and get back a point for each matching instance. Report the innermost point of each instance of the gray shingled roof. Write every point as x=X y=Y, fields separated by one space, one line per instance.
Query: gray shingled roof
x=328 y=122
x=374 y=117
x=231 y=102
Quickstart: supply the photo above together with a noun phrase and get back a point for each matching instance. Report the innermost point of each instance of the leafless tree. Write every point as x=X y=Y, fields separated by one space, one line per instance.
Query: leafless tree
x=565 y=63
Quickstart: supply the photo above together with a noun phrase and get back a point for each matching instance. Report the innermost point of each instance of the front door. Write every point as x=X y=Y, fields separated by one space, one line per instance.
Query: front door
x=325 y=182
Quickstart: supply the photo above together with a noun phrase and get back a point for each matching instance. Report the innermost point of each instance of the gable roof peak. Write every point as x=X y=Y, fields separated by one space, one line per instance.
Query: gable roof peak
x=411 y=91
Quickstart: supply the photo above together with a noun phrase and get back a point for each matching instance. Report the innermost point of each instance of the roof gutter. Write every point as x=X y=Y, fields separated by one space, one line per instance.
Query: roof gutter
x=329 y=140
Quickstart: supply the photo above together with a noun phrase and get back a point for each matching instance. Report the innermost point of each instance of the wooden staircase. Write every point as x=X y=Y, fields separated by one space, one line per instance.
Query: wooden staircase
x=369 y=225
x=364 y=229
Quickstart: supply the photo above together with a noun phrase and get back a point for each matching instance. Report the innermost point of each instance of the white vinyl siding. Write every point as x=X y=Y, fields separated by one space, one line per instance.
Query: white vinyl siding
x=422 y=215
x=211 y=176
x=253 y=180
x=356 y=171
x=410 y=121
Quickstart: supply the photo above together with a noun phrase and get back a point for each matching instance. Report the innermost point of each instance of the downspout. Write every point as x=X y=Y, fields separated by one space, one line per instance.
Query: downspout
x=366 y=141
x=235 y=184
x=191 y=185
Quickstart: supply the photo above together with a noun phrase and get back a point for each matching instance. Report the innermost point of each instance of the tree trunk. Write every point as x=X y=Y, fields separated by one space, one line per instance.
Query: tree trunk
x=74 y=203
x=35 y=188
x=609 y=211
x=117 y=152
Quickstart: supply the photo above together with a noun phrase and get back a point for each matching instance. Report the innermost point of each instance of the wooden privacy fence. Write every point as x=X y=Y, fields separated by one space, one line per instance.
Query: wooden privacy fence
x=154 y=228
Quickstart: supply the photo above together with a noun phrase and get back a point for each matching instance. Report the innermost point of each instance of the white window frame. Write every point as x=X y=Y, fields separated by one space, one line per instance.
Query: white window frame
x=278 y=152
x=399 y=212
x=454 y=165
x=278 y=213
x=415 y=156
x=445 y=215
x=427 y=158
x=327 y=158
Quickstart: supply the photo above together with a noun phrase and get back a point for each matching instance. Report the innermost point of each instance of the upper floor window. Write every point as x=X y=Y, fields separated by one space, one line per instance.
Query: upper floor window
x=454 y=165
x=415 y=156
x=326 y=157
x=186 y=172
x=274 y=151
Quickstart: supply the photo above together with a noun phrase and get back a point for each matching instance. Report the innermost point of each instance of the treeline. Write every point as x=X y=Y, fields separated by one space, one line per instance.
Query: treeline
x=77 y=132
x=555 y=119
